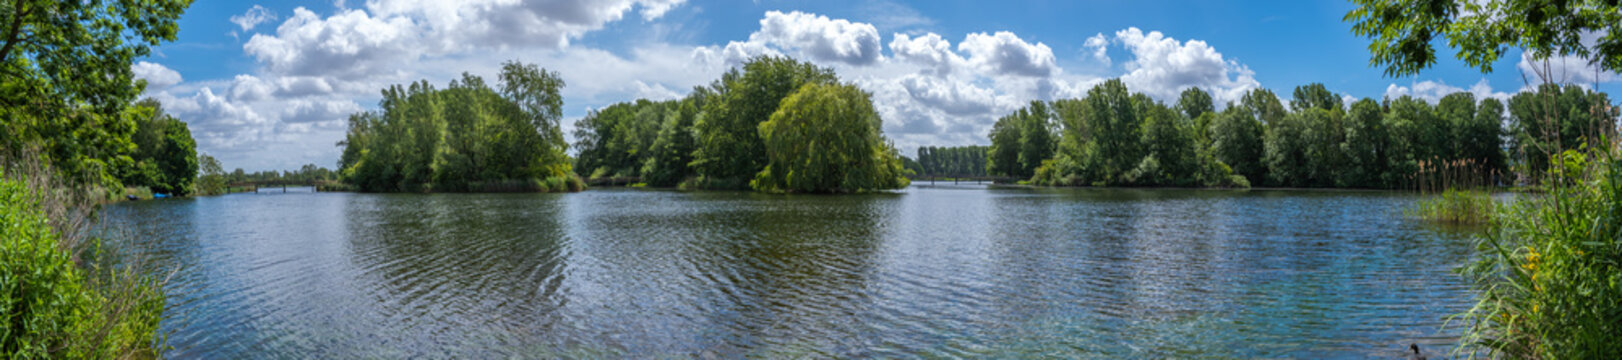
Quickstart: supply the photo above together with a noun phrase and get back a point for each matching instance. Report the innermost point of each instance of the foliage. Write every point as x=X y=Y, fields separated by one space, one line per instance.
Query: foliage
x=1455 y=206
x=165 y=155
x=827 y=138
x=729 y=145
x=617 y=140
x=68 y=82
x=1402 y=33
x=1550 y=275
x=673 y=149
x=461 y=138
x=53 y=305
x=213 y=179
x=952 y=161
x=1554 y=119
x=1237 y=139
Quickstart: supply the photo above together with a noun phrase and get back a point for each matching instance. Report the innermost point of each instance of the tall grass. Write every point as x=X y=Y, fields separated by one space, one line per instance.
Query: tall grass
x=59 y=296
x=1549 y=275
x=1455 y=206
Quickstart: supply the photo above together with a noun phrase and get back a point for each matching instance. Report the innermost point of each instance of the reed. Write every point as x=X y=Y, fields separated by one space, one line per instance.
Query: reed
x=1549 y=273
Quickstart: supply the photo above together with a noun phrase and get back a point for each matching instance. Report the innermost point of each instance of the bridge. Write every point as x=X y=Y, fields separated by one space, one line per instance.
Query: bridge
x=962 y=178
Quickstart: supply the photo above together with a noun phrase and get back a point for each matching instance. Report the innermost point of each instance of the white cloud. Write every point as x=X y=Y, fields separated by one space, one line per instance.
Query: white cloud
x=821 y=38
x=929 y=50
x=1100 y=46
x=1162 y=67
x=1432 y=91
x=255 y=16
x=1006 y=54
x=1564 y=70
x=953 y=97
x=157 y=76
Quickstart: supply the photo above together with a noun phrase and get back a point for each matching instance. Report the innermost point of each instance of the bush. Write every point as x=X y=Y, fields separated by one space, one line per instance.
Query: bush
x=1549 y=277
x=54 y=308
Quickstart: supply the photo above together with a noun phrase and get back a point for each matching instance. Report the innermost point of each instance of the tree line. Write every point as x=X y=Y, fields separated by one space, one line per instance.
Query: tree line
x=774 y=124
x=1113 y=137
x=951 y=161
x=469 y=136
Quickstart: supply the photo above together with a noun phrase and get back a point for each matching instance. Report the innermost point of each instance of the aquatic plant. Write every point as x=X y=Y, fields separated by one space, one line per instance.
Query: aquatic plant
x=1455 y=207
x=1549 y=274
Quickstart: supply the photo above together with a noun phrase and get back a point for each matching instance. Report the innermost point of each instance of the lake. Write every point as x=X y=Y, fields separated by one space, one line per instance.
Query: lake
x=927 y=272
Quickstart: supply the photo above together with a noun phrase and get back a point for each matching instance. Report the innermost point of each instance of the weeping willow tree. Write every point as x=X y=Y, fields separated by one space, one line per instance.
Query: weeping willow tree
x=826 y=138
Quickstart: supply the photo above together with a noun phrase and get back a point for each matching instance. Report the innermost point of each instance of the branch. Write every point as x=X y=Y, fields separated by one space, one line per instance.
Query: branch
x=16 y=28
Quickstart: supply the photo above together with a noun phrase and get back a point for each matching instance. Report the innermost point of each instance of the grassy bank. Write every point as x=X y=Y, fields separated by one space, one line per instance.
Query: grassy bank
x=62 y=293
x=1549 y=274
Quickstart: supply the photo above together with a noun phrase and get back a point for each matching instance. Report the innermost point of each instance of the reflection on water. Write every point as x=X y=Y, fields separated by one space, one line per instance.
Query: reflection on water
x=931 y=272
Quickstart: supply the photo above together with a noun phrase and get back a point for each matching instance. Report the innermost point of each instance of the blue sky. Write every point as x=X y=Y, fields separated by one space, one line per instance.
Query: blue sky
x=267 y=85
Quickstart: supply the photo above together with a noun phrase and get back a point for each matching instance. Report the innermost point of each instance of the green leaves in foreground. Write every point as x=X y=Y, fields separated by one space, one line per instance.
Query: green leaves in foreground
x=1549 y=274
x=826 y=138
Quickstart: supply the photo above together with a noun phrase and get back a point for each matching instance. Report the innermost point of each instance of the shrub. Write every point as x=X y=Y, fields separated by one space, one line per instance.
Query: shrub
x=1549 y=277
x=52 y=306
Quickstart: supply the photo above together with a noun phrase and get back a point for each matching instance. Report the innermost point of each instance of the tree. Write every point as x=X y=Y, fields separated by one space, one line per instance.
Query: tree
x=467 y=137
x=1169 y=139
x=67 y=78
x=1237 y=140
x=827 y=138
x=1195 y=102
x=1286 y=150
x=1036 y=137
x=1003 y=156
x=673 y=150
x=1263 y=106
x=1402 y=32
x=1314 y=96
x=1117 y=127
x=1556 y=118
x=1366 y=146
x=729 y=146
x=212 y=180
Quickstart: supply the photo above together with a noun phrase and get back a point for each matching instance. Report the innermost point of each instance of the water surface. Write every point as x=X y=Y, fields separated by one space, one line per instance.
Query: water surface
x=929 y=272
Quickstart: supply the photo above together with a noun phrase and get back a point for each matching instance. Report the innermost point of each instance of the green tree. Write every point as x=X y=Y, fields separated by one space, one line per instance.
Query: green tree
x=212 y=181
x=1286 y=149
x=1036 y=142
x=1403 y=33
x=827 y=138
x=1555 y=118
x=1315 y=96
x=467 y=137
x=1003 y=156
x=1263 y=106
x=1169 y=139
x=1117 y=128
x=673 y=150
x=729 y=147
x=1237 y=140
x=1195 y=102
x=1366 y=146
x=67 y=78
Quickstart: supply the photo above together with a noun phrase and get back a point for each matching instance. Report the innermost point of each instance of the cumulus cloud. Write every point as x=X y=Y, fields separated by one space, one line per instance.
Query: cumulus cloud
x=157 y=76
x=953 y=97
x=821 y=38
x=1433 y=91
x=1100 y=46
x=1564 y=70
x=1004 y=53
x=1163 y=67
x=255 y=16
x=928 y=50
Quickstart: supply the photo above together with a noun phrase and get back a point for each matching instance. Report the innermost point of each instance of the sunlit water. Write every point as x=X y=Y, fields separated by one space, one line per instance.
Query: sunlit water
x=930 y=272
